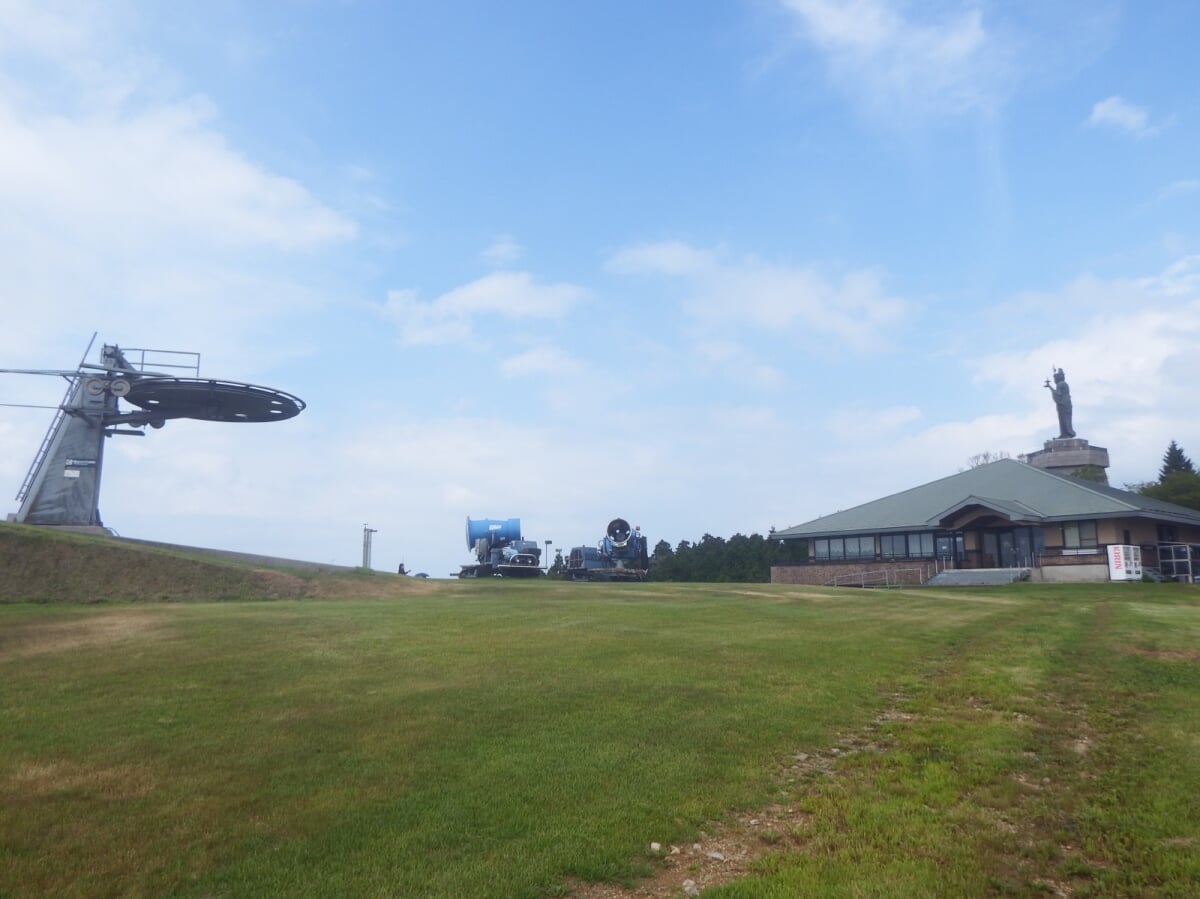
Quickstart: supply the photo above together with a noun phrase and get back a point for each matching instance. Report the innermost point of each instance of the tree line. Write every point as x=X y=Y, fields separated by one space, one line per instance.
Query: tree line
x=740 y=559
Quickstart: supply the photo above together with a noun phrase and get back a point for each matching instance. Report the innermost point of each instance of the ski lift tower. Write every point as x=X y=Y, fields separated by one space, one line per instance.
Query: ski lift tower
x=62 y=488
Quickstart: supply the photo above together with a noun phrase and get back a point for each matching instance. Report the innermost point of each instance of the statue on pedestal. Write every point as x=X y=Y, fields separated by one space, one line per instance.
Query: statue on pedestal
x=1062 y=402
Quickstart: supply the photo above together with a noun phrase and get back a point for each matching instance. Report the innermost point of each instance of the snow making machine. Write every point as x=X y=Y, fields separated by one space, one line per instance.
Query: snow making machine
x=621 y=556
x=500 y=551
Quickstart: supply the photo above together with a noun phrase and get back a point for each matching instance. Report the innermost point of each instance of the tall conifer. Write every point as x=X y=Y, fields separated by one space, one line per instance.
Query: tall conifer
x=1175 y=460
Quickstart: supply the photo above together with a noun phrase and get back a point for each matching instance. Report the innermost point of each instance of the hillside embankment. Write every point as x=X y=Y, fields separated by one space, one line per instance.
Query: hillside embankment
x=43 y=565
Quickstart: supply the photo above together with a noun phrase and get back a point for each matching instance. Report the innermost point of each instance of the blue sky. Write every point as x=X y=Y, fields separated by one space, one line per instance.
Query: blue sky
x=711 y=267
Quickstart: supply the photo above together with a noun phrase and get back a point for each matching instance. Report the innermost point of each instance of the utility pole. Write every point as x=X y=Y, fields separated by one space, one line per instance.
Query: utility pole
x=548 y=542
x=367 y=532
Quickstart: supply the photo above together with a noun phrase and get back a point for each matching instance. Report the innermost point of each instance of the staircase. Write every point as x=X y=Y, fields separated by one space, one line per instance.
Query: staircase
x=978 y=577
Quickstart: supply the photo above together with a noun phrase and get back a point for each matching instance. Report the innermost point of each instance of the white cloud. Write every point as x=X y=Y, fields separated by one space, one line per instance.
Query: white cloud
x=504 y=250
x=855 y=310
x=1129 y=357
x=1127 y=347
x=899 y=64
x=734 y=362
x=1134 y=325
x=121 y=201
x=672 y=257
x=544 y=360
x=1118 y=113
x=1180 y=278
x=1183 y=186
x=450 y=317
x=62 y=32
x=151 y=174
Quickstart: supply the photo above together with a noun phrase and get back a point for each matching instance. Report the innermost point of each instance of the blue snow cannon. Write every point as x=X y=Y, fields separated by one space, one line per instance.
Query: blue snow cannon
x=499 y=550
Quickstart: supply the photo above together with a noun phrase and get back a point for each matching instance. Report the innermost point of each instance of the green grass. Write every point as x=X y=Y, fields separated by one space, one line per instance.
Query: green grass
x=501 y=739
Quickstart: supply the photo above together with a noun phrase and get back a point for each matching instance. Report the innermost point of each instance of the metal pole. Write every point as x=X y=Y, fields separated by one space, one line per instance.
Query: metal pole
x=367 y=532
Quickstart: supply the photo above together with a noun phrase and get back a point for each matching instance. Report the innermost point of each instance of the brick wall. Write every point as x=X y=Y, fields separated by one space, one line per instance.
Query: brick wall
x=902 y=572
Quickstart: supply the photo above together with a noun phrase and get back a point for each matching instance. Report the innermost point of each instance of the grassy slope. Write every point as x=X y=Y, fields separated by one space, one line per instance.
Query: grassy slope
x=38 y=565
x=492 y=739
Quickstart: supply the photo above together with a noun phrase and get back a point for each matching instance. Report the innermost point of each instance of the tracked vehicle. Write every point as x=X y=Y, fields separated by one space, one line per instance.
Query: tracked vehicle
x=621 y=556
x=499 y=550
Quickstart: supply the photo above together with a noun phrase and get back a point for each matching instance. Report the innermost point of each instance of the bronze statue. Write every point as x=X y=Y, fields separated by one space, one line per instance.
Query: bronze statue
x=1062 y=402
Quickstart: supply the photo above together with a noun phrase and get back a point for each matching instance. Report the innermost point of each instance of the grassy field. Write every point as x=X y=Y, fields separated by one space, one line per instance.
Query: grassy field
x=517 y=739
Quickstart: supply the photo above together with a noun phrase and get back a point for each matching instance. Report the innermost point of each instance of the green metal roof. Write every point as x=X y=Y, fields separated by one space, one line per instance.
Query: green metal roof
x=1016 y=489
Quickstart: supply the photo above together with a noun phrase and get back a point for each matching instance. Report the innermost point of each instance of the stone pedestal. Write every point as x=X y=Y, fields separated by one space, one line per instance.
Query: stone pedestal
x=1066 y=455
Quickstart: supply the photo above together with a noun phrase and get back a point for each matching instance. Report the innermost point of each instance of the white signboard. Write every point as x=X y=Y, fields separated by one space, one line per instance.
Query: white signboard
x=1125 y=563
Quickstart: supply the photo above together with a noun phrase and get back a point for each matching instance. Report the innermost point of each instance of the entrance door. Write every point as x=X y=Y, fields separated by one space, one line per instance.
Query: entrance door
x=949 y=549
x=1008 y=549
x=1024 y=549
x=1016 y=548
x=945 y=549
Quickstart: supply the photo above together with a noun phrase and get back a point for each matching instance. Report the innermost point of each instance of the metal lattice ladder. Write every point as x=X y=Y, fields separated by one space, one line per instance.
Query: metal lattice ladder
x=40 y=458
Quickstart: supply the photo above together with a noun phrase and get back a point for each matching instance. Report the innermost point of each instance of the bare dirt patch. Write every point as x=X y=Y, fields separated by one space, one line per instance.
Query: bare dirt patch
x=37 y=781
x=282 y=585
x=1167 y=655
x=714 y=859
x=277 y=584
x=723 y=852
x=374 y=586
x=36 y=638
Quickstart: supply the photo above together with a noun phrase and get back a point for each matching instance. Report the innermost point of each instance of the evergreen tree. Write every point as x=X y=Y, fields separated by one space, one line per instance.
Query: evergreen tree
x=663 y=564
x=1179 y=487
x=1174 y=460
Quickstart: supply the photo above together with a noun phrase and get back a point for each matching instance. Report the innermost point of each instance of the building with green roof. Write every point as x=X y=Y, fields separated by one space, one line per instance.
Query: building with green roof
x=1004 y=515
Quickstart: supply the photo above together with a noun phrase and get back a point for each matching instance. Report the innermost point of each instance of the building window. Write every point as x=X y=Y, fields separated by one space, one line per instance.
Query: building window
x=908 y=546
x=1079 y=535
x=827 y=549
x=837 y=549
x=1167 y=533
x=920 y=546
x=860 y=547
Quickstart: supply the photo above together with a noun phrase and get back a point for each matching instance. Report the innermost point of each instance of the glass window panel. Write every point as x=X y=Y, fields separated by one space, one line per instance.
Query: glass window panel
x=821 y=548
x=1087 y=533
x=1071 y=536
